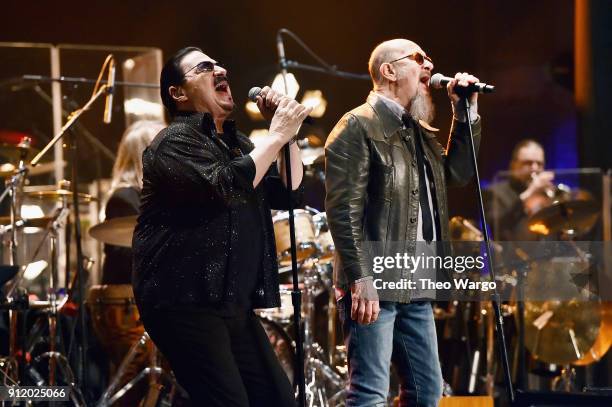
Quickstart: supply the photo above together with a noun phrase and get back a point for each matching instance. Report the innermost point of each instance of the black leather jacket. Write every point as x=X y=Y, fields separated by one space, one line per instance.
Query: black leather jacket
x=373 y=188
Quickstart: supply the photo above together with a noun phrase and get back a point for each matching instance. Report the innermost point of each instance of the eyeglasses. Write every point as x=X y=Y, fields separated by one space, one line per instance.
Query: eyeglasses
x=416 y=57
x=204 y=66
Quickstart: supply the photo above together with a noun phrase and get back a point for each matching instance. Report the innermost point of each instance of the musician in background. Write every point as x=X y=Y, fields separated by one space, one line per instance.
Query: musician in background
x=510 y=202
x=124 y=195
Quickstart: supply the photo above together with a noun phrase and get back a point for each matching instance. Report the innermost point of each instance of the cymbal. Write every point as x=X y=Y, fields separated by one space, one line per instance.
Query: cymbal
x=573 y=216
x=30 y=223
x=58 y=194
x=462 y=229
x=561 y=332
x=564 y=322
x=8 y=169
x=604 y=340
x=116 y=231
x=14 y=145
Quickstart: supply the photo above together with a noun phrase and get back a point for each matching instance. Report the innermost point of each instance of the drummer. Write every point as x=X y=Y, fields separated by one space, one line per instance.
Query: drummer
x=509 y=203
x=124 y=195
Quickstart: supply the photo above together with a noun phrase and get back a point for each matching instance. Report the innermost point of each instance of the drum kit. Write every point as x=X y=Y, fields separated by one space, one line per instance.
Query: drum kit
x=36 y=356
x=40 y=352
x=571 y=326
x=574 y=332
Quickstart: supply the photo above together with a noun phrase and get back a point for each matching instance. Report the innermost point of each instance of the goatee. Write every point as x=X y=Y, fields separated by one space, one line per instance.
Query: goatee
x=422 y=107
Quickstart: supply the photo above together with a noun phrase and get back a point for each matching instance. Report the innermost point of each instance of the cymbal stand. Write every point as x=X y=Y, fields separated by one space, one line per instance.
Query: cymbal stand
x=13 y=187
x=52 y=354
x=98 y=92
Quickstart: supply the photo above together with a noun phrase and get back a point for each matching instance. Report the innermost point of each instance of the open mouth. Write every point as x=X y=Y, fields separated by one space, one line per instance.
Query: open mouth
x=221 y=84
x=425 y=79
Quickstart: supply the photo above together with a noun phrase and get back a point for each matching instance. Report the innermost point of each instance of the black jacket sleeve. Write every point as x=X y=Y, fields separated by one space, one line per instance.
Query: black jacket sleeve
x=192 y=172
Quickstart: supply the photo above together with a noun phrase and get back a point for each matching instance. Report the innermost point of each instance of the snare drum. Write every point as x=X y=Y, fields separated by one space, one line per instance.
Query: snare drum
x=282 y=314
x=304 y=236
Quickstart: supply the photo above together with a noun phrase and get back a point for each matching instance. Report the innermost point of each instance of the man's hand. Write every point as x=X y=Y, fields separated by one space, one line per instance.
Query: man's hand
x=267 y=102
x=365 y=307
x=287 y=118
x=540 y=183
x=462 y=79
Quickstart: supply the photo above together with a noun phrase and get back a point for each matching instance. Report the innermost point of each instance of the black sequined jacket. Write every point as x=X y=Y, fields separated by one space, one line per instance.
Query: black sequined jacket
x=193 y=187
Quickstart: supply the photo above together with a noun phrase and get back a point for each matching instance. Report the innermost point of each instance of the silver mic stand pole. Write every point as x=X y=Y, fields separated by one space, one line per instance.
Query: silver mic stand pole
x=296 y=294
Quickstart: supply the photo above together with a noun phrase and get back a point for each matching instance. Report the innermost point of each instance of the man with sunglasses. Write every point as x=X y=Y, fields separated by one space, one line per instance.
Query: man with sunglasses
x=386 y=178
x=204 y=251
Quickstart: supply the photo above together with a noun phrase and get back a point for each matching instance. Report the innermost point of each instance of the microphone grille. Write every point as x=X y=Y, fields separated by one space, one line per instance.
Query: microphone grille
x=436 y=80
x=254 y=92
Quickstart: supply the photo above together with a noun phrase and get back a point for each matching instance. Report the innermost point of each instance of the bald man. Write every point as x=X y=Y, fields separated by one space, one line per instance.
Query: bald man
x=386 y=179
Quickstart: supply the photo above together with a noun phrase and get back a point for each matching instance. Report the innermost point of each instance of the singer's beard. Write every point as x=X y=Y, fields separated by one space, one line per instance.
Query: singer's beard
x=422 y=107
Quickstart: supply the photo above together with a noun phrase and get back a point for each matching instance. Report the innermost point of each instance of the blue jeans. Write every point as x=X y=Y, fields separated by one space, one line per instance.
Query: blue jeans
x=404 y=333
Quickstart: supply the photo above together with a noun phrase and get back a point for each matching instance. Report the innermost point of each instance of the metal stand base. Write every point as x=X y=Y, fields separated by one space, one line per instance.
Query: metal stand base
x=154 y=372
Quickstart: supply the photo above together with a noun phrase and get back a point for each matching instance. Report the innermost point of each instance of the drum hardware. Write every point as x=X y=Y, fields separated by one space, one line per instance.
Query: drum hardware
x=154 y=372
x=18 y=364
x=325 y=384
x=116 y=323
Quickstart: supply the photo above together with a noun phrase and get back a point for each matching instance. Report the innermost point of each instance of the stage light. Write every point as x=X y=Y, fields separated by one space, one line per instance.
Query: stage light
x=292 y=85
x=143 y=108
x=34 y=269
x=31 y=211
x=129 y=64
x=257 y=135
x=315 y=99
x=253 y=111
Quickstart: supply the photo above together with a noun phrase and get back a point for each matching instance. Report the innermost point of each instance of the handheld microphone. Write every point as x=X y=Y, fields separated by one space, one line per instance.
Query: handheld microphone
x=110 y=83
x=256 y=90
x=280 y=47
x=438 y=81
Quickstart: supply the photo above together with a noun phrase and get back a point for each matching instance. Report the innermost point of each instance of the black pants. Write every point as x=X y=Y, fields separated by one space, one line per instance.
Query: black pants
x=220 y=361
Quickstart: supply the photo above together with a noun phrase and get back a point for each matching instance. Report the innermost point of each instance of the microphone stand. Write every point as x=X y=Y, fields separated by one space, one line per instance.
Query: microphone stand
x=296 y=294
x=74 y=116
x=499 y=323
x=330 y=71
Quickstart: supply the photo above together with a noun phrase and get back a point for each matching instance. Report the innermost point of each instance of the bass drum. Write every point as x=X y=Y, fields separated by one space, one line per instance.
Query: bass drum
x=282 y=345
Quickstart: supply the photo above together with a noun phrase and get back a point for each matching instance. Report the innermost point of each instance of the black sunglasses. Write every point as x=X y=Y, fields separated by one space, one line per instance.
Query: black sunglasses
x=416 y=57
x=204 y=66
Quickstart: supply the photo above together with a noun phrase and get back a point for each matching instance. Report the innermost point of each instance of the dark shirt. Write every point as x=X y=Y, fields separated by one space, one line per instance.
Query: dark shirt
x=117 y=268
x=249 y=244
x=189 y=235
x=506 y=216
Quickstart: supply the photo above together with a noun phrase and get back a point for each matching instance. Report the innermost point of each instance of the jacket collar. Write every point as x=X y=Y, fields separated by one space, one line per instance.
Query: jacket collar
x=391 y=122
x=203 y=121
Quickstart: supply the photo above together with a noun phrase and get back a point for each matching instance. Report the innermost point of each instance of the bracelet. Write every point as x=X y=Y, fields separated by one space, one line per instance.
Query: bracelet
x=293 y=140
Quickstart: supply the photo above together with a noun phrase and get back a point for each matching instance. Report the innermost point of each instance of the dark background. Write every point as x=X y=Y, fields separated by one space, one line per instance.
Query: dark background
x=525 y=48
